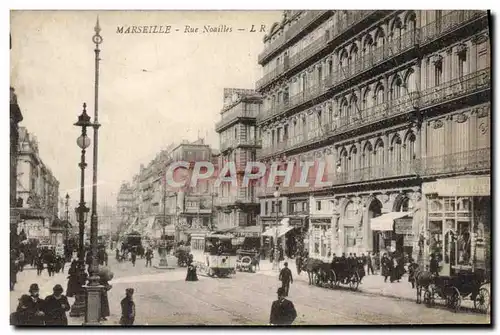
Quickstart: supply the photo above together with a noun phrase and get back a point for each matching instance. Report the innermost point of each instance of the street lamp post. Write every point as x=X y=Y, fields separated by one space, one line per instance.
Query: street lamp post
x=78 y=308
x=93 y=312
x=276 y=262
x=163 y=254
x=66 y=228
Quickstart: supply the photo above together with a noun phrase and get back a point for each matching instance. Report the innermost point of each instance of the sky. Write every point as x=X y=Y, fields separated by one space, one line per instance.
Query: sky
x=154 y=89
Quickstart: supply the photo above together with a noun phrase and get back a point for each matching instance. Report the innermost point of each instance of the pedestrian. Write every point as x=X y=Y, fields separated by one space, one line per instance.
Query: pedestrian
x=39 y=264
x=386 y=267
x=191 y=271
x=434 y=265
x=21 y=317
x=286 y=278
x=72 y=287
x=282 y=310
x=149 y=257
x=105 y=258
x=117 y=255
x=128 y=308
x=55 y=308
x=298 y=263
x=369 y=264
x=13 y=272
x=105 y=312
x=35 y=307
x=21 y=261
x=412 y=270
x=133 y=257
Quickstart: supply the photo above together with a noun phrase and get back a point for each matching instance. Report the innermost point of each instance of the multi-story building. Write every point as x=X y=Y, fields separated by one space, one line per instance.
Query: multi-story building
x=125 y=201
x=37 y=189
x=237 y=206
x=397 y=103
x=15 y=118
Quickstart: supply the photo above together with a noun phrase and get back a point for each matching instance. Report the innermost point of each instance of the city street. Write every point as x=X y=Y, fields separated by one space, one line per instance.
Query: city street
x=163 y=298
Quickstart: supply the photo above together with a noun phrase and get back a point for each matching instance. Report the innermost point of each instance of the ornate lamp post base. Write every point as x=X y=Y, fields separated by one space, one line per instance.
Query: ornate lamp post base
x=93 y=295
x=78 y=308
x=166 y=261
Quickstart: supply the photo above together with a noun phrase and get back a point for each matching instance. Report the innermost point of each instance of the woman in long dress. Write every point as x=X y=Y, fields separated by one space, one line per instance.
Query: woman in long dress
x=191 y=272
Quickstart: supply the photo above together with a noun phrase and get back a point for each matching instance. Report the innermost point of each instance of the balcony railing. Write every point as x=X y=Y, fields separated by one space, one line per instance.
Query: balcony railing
x=380 y=54
x=270 y=76
x=293 y=31
x=309 y=51
x=232 y=199
x=234 y=143
x=466 y=161
x=353 y=17
x=235 y=113
x=447 y=23
x=455 y=88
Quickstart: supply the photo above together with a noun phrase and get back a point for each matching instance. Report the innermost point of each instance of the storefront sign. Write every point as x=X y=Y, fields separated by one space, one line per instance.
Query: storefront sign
x=403 y=226
x=460 y=187
x=408 y=240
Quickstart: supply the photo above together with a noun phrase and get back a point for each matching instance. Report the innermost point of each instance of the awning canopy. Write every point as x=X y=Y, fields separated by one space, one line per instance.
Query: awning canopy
x=385 y=222
x=242 y=231
x=282 y=230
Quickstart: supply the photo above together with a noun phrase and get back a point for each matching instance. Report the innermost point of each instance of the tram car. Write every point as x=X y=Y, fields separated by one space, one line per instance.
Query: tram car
x=214 y=254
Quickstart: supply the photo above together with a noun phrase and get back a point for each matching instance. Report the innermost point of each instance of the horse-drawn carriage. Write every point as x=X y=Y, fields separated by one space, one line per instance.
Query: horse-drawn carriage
x=332 y=275
x=455 y=288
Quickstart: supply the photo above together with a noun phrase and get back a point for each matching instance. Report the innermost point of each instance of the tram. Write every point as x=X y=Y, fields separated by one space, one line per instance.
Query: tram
x=214 y=254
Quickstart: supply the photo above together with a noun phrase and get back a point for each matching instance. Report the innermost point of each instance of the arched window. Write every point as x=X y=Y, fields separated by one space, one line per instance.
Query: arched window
x=379 y=95
x=344 y=161
x=396 y=149
x=343 y=64
x=351 y=163
x=396 y=30
x=410 y=82
x=380 y=38
x=353 y=108
x=367 y=158
x=410 y=147
x=396 y=88
x=411 y=24
x=353 y=59
x=367 y=51
x=367 y=100
x=344 y=112
x=379 y=153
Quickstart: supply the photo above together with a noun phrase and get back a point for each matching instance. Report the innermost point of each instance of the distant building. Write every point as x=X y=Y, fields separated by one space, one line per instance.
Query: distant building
x=237 y=207
x=37 y=189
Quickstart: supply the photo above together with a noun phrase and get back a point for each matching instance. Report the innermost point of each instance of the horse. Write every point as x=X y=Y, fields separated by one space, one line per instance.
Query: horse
x=311 y=266
x=422 y=279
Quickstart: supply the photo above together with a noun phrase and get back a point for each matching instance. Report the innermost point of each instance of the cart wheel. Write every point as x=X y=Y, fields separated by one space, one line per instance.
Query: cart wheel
x=482 y=301
x=317 y=279
x=428 y=298
x=354 y=282
x=454 y=299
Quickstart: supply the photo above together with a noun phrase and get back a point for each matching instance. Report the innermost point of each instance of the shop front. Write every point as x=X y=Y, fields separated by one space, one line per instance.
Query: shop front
x=459 y=223
x=321 y=239
x=276 y=233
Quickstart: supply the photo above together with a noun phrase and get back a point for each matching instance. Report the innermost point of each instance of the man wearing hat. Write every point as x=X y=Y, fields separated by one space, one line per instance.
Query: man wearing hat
x=286 y=278
x=282 y=311
x=128 y=308
x=56 y=306
x=34 y=310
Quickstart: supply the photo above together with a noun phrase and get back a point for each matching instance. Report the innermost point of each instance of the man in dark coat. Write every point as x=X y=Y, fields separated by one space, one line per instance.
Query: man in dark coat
x=133 y=256
x=434 y=265
x=282 y=310
x=55 y=308
x=34 y=307
x=105 y=312
x=13 y=272
x=149 y=257
x=21 y=317
x=128 y=308
x=286 y=278
x=386 y=267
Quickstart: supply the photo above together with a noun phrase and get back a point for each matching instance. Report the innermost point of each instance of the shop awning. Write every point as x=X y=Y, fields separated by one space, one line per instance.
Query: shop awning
x=385 y=222
x=282 y=230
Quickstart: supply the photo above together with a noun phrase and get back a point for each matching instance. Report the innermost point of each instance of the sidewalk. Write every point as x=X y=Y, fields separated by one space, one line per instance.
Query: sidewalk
x=372 y=284
x=46 y=284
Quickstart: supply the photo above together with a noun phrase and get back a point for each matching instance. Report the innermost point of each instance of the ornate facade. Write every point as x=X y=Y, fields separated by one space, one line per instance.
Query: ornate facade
x=389 y=100
x=238 y=143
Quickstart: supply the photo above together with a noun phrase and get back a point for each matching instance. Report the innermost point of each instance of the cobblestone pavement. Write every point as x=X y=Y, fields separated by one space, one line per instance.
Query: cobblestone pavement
x=163 y=297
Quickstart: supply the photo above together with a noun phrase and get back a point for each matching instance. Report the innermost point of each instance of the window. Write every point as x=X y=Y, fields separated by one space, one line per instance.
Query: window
x=318 y=205
x=462 y=64
x=350 y=237
x=438 y=73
